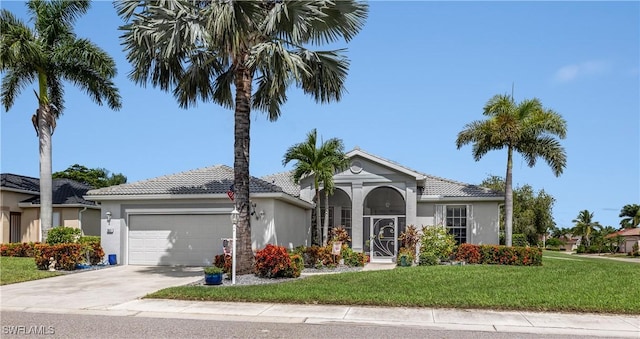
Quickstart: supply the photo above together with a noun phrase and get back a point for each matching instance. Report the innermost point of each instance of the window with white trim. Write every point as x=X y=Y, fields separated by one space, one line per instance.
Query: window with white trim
x=456 y=222
x=455 y=218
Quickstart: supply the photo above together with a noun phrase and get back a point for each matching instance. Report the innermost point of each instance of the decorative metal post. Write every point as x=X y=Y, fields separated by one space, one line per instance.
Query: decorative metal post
x=234 y=221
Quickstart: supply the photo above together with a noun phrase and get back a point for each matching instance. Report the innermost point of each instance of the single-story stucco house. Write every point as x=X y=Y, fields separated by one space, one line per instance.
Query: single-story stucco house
x=181 y=219
x=631 y=237
x=20 y=204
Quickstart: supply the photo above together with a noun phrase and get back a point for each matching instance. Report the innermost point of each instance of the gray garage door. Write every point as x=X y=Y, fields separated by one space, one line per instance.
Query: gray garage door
x=176 y=239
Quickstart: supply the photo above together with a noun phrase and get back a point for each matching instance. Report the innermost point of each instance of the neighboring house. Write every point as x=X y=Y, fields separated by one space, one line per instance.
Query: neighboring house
x=631 y=237
x=181 y=219
x=571 y=242
x=20 y=204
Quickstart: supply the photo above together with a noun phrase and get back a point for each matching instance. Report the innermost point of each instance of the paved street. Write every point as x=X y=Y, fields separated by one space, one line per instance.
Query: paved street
x=91 y=326
x=114 y=294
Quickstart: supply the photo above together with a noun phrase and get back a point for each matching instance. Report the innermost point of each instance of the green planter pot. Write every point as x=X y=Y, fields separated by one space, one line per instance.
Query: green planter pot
x=213 y=279
x=405 y=261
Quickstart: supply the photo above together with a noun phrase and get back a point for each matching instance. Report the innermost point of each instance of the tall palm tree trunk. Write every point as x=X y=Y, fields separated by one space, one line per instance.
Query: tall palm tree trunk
x=325 y=229
x=46 y=181
x=508 y=200
x=241 y=169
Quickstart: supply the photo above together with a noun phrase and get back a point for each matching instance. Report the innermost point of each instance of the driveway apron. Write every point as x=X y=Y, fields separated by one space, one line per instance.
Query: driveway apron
x=95 y=290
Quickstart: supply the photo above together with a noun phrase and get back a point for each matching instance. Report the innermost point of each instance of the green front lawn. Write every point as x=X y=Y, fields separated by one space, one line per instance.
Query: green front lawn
x=563 y=283
x=14 y=270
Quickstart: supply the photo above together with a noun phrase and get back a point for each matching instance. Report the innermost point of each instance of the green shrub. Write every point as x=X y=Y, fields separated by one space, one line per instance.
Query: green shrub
x=273 y=262
x=352 y=258
x=297 y=265
x=519 y=239
x=89 y=239
x=405 y=257
x=427 y=259
x=17 y=249
x=67 y=256
x=437 y=241
x=554 y=243
x=63 y=235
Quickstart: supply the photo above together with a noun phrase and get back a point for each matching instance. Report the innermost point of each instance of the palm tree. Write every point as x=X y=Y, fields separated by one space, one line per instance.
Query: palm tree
x=199 y=50
x=631 y=216
x=50 y=53
x=584 y=226
x=526 y=128
x=321 y=163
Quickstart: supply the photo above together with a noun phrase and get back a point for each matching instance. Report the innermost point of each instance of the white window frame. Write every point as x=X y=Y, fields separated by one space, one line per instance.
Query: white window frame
x=441 y=219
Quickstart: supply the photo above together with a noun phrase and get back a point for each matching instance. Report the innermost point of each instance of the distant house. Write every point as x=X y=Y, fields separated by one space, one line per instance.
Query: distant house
x=20 y=207
x=631 y=237
x=180 y=219
x=570 y=242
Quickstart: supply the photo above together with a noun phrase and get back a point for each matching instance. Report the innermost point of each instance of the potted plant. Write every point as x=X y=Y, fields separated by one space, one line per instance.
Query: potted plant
x=405 y=257
x=213 y=275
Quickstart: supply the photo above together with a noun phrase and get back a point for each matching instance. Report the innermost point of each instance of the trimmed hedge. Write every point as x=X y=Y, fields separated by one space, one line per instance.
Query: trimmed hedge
x=67 y=256
x=17 y=249
x=499 y=255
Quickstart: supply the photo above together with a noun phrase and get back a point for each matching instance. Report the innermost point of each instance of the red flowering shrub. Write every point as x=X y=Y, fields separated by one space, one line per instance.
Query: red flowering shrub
x=67 y=256
x=225 y=262
x=499 y=255
x=274 y=262
x=468 y=253
x=17 y=249
x=96 y=253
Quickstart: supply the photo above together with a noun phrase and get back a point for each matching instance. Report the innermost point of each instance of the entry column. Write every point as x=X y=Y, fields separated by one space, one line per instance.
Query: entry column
x=356 y=219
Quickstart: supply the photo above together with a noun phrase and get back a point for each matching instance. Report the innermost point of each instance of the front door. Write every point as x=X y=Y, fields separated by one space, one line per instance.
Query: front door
x=384 y=237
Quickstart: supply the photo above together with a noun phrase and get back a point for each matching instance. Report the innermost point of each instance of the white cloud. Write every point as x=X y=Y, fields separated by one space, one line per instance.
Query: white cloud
x=571 y=72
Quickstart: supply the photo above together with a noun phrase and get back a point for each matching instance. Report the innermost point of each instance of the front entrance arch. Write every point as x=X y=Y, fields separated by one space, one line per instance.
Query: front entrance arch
x=384 y=219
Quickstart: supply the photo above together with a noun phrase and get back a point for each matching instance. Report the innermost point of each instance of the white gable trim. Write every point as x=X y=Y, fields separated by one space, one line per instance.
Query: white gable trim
x=386 y=163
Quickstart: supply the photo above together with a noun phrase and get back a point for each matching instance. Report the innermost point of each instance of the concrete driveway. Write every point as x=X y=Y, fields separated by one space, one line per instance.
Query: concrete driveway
x=94 y=290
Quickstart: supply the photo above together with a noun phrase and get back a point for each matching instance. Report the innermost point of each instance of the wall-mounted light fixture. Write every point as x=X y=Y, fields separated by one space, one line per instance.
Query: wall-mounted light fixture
x=261 y=215
x=108 y=214
x=253 y=209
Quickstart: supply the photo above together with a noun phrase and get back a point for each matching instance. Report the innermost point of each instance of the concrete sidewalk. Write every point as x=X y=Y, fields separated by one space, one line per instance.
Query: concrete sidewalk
x=117 y=291
x=444 y=319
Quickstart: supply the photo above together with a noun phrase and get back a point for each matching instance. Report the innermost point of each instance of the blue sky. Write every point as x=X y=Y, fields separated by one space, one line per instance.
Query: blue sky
x=419 y=72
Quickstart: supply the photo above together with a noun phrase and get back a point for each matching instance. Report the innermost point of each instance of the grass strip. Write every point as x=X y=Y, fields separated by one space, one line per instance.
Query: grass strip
x=14 y=270
x=581 y=285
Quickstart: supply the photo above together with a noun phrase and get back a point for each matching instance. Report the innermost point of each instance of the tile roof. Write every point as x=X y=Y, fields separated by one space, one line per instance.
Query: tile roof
x=65 y=191
x=626 y=232
x=284 y=180
x=20 y=182
x=449 y=188
x=209 y=180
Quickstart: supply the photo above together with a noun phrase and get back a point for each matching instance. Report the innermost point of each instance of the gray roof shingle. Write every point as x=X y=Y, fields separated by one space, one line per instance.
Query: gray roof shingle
x=65 y=191
x=209 y=180
x=284 y=180
x=20 y=182
x=449 y=188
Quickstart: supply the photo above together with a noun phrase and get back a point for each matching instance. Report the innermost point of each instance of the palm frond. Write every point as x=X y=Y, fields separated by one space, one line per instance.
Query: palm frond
x=197 y=81
x=327 y=73
x=14 y=81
